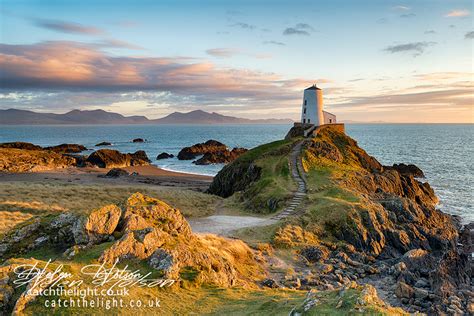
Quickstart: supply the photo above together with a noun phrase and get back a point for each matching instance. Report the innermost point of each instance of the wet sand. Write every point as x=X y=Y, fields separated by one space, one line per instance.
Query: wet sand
x=149 y=175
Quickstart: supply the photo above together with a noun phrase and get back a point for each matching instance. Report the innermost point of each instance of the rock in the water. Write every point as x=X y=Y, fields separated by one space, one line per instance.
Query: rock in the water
x=67 y=148
x=211 y=146
x=164 y=156
x=138 y=140
x=109 y=158
x=21 y=145
x=116 y=173
x=103 y=144
x=407 y=170
x=224 y=156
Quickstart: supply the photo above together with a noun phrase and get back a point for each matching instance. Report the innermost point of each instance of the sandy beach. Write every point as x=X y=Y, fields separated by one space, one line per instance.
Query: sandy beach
x=149 y=175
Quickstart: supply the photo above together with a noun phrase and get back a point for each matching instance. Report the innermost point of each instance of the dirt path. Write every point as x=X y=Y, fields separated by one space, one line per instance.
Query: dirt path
x=226 y=224
x=297 y=173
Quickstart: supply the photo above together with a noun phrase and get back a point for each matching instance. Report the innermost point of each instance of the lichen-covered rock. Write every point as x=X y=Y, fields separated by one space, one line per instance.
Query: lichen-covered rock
x=158 y=233
x=103 y=221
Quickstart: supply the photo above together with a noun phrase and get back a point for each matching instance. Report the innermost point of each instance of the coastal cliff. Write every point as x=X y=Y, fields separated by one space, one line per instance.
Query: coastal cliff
x=383 y=214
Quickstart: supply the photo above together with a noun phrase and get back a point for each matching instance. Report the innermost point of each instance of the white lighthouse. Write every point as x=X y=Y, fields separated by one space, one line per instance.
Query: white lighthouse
x=312 y=109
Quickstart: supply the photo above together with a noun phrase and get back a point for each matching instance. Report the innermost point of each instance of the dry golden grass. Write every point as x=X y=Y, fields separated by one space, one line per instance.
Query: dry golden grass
x=8 y=220
x=20 y=201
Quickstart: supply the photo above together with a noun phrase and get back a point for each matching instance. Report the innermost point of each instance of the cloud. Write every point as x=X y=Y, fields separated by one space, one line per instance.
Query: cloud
x=299 y=29
x=430 y=32
x=408 y=15
x=417 y=47
x=469 y=35
x=401 y=8
x=230 y=52
x=67 y=27
x=243 y=25
x=274 y=43
x=457 y=13
x=436 y=98
x=222 y=52
x=114 y=43
x=79 y=69
x=294 y=31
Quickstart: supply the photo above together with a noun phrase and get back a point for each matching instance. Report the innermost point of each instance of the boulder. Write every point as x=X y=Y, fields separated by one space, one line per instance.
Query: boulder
x=403 y=290
x=139 y=158
x=116 y=173
x=109 y=158
x=211 y=146
x=138 y=140
x=103 y=144
x=313 y=254
x=99 y=225
x=224 y=156
x=164 y=156
x=21 y=145
x=67 y=148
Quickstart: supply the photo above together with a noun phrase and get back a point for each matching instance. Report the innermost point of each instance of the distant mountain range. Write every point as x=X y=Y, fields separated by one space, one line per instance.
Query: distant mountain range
x=23 y=117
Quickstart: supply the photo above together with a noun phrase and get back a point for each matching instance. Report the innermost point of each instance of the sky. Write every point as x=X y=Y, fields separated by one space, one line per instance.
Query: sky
x=390 y=61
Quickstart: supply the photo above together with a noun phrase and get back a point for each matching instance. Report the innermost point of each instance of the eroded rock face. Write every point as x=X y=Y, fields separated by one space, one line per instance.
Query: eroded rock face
x=211 y=146
x=102 y=222
x=109 y=158
x=24 y=160
x=234 y=177
x=407 y=170
x=224 y=156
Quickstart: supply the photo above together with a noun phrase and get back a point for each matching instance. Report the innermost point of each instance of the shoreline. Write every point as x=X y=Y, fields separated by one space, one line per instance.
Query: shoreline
x=146 y=175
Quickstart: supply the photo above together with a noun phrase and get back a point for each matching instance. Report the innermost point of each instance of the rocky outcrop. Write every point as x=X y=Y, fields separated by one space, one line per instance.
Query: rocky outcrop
x=224 y=156
x=108 y=158
x=138 y=140
x=21 y=145
x=296 y=131
x=67 y=148
x=164 y=156
x=407 y=170
x=211 y=146
x=23 y=160
x=234 y=177
x=103 y=144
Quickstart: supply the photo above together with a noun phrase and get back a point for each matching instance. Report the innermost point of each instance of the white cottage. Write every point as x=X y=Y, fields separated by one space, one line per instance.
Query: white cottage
x=312 y=108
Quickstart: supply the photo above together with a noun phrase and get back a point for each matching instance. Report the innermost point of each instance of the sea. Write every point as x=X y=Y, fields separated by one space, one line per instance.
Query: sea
x=445 y=152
